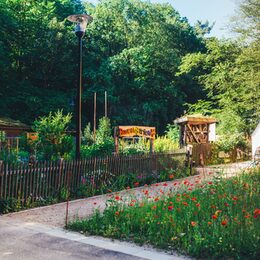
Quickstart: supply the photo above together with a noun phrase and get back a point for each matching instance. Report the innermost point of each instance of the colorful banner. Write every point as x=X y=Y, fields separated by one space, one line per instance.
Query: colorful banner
x=131 y=131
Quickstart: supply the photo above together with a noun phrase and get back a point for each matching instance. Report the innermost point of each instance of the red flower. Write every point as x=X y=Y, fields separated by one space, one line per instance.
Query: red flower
x=146 y=192
x=117 y=198
x=154 y=207
x=165 y=184
x=171 y=176
x=136 y=184
x=235 y=198
x=256 y=213
x=117 y=213
x=209 y=223
x=214 y=216
x=226 y=204
x=170 y=207
x=94 y=203
x=185 y=203
x=193 y=223
x=132 y=204
x=247 y=216
x=156 y=199
x=224 y=223
x=193 y=199
x=210 y=182
x=198 y=205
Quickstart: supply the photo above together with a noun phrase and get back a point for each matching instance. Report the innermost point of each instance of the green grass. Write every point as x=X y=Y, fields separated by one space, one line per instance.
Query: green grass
x=220 y=218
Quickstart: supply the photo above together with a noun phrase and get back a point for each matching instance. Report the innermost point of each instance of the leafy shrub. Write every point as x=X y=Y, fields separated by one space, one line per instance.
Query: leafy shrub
x=99 y=150
x=9 y=205
x=52 y=142
x=142 y=146
x=165 y=144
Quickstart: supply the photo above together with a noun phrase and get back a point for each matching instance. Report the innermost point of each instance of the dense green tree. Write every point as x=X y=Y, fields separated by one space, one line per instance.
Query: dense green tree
x=132 y=50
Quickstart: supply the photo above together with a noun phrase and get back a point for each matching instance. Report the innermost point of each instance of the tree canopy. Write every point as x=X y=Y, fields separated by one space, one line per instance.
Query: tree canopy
x=149 y=59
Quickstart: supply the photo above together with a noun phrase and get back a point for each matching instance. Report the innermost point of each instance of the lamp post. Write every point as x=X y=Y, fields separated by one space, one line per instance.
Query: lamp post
x=81 y=21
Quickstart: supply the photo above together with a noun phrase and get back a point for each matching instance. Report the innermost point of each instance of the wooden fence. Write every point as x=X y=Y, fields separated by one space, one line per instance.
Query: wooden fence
x=46 y=179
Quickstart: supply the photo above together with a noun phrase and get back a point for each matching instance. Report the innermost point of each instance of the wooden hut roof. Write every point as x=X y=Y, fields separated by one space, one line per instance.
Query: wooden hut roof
x=197 y=119
x=7 y=123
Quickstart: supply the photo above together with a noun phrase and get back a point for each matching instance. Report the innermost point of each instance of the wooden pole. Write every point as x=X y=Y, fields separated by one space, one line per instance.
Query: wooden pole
x=95 y=112
x=105 y=104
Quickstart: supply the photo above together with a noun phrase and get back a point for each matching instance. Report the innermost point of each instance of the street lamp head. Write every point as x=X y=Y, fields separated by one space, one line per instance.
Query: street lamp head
x=81 y=21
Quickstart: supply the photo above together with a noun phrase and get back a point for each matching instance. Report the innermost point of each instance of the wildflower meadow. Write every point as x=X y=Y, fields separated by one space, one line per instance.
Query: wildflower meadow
x=219 y=217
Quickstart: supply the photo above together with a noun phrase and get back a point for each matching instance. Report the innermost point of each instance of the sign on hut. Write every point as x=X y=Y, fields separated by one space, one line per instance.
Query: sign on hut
x=196 y=129
x=132 y=132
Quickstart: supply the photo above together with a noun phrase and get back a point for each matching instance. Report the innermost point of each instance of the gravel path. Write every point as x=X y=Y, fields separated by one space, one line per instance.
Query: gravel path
x=54 y=215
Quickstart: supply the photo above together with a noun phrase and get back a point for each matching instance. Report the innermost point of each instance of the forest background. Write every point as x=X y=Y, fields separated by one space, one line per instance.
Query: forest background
x=151 y=61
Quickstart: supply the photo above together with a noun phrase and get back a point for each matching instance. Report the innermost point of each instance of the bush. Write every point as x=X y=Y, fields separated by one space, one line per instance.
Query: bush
x=165 y=144
x=52 y=142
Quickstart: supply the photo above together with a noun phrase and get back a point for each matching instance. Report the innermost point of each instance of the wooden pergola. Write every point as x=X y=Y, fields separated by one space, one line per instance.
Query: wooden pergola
x=196 y=129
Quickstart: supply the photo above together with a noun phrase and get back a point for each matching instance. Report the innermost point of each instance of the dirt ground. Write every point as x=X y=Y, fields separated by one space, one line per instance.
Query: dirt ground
x=54 y=215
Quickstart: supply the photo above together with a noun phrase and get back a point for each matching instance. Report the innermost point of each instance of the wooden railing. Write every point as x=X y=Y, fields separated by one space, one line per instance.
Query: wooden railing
x=46 y=179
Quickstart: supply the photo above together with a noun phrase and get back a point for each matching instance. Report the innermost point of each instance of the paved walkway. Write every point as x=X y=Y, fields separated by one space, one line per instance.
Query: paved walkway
x=37 y=233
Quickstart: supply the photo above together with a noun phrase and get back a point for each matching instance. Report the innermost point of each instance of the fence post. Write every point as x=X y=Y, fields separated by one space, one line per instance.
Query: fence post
x=1 y=178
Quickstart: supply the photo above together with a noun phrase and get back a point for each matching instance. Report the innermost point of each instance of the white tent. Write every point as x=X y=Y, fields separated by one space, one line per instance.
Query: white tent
x=255 y=139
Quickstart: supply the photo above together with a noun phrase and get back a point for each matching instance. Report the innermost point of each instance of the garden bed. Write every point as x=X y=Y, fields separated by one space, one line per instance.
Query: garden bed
x=220 y=218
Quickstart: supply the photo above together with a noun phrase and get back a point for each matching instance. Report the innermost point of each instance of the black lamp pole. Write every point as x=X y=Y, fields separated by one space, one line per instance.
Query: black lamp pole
x=81 y=21
x=79 y=94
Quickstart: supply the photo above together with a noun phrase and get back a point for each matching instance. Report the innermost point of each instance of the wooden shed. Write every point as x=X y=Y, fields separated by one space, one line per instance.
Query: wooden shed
x=13 y=128
x=196 y=129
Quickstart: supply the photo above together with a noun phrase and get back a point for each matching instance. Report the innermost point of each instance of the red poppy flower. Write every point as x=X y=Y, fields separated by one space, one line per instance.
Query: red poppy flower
x=171 y=176
x=193 y=223
x=257 y=212
x=210 y=182
x=165 y=184
x=170 y=207
x=226 y=204
x=117 y=213
x=209 y=223
x=235 y=198
x=117 y=198
x=185 y=203
x=224 y=223
x=156 y=199
x=154 y=207
x=214 y=216
x=198 y=205
x=247 y=216
x=193 y=199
